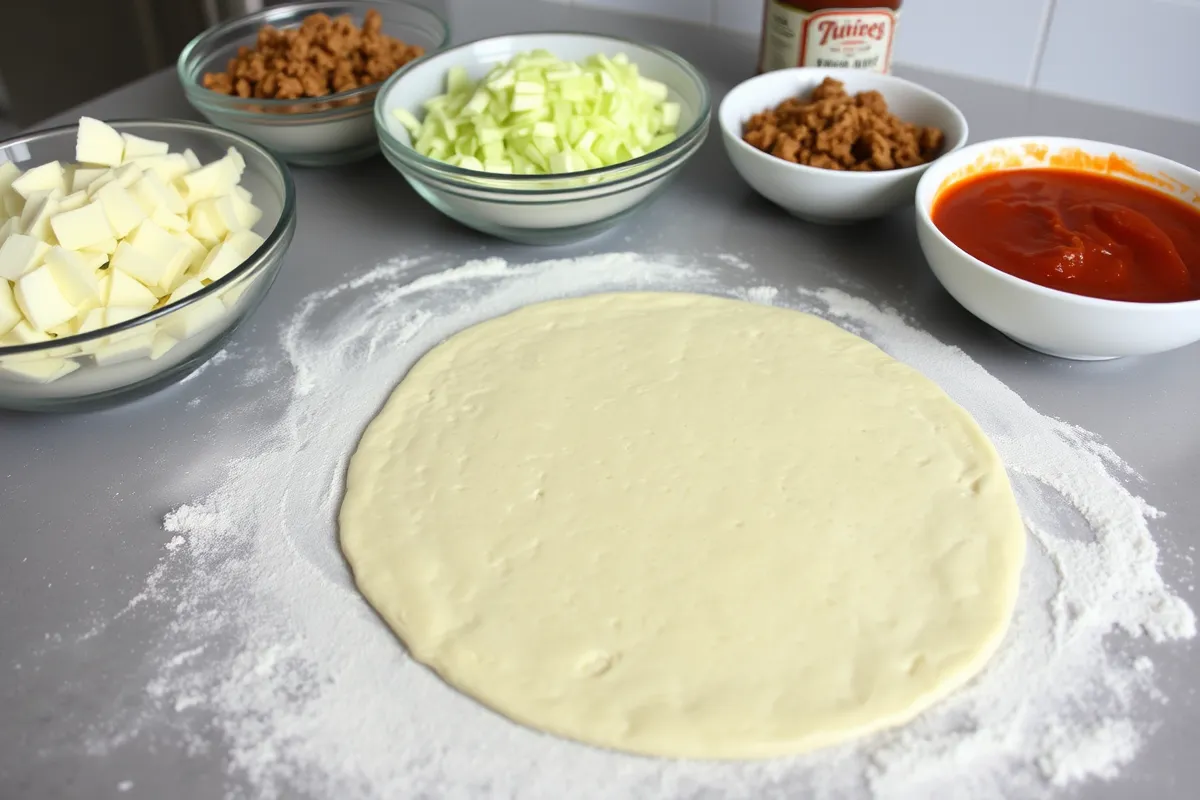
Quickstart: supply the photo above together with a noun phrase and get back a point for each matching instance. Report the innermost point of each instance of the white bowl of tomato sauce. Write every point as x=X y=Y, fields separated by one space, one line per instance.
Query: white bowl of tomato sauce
x=1074 y=248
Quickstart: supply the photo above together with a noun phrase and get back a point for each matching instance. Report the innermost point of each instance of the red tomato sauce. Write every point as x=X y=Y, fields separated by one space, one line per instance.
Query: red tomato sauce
x=1079 y=232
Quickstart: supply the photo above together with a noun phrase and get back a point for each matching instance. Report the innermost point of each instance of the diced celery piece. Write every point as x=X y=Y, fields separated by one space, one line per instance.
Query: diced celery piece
x=458 y=81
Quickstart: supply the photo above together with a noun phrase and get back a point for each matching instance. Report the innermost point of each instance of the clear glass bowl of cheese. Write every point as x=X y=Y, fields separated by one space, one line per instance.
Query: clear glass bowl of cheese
x=308 y=131
x=139 y=311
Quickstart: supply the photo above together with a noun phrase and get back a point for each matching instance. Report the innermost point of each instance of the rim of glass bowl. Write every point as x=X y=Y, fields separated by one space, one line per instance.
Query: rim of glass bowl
x=528 y=184
x=187 y=65
x=252 y=264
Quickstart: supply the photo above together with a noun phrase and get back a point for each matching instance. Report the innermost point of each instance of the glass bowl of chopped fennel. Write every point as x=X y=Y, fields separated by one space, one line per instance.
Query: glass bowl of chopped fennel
x=300 y=77
x=543 y=138
x=129 y=253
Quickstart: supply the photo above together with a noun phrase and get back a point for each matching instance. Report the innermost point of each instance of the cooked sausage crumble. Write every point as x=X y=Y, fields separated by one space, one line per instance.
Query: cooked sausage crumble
x=833 y=129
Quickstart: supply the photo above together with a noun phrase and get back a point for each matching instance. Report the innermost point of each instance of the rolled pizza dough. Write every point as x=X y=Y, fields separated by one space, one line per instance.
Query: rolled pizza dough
x=683 y=526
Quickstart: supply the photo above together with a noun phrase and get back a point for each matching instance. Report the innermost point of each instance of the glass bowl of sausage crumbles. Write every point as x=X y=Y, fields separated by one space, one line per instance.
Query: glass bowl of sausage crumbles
x=301 y=77
x=834 y=145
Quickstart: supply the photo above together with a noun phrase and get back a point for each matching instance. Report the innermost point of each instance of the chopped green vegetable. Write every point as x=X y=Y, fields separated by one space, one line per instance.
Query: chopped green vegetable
x=539 y=115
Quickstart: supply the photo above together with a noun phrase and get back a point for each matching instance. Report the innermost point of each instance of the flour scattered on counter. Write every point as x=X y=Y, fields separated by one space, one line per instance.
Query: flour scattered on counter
x=313 y=697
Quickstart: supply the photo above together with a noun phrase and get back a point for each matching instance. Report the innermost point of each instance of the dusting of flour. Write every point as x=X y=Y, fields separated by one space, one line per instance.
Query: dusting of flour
x=311 y=696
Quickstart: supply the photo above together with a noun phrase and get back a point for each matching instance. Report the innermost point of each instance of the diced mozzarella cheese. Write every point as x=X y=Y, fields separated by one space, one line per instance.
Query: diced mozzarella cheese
x=205 y=224
x=189 y=321
x=221 y=260
x=10 y=315
x=248 y=213
x=83 y=177
x=94 y=260
x=23 y=333
x=168 y=167
x=92 y=320
x=43 y=178
x=73 y=201
x=121 y=290
x=162 y=343
x=38 y=370
x=231 y=295
x=75 y=277
x=105 y=247
x=246 y=242
x=115 y=315
x=151 y=239
x=141 y=265
x=154 y=193
x=20 y=254
x=125 y=349
x=98 y=143
x=123 y=212
x=136 y=146
x=41 y=301
x=212 y=180
x=193 y=161
x=9 y=172
x=196 y=251
x=11 y=225
x=169 y=222
x=39 y=208
x=82 y=227
x=13 y=203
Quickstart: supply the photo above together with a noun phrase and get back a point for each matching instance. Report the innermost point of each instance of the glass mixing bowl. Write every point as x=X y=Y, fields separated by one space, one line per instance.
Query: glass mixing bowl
x=84 y=371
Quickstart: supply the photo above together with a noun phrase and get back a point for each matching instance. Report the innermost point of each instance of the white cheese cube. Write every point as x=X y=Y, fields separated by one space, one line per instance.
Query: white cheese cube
x=104 y=247
x=105 y=178
x=196 y=251
x=223 y=209
x=115 y=315
x=82 y=227
x=248 y=213
x=193 y=161
x=44 y=178
x=246 y=242
x=41 y=301
x=155 y=193
x=162 y=343
x=185 y=289
x=40 y=206
x=12 y=203
x=169 y=222
x=9 y=172
x=211 y=180
x=39 y=370
x=125 y=349
x=168 y=167
x=73 y=201
x=231 y=295
x=151 y=239
x=75 y=277
x=124 y=176
x=148 y=270
x=21 y=334
x=222 y=260
x=238 y=162
x=123 y=212
x=121 y=290
x=20 y=254
x=10 y=315
x=205 y=224
x=82 y=177
x=91 y=320
x=192 y=319
x=136 y=146
x=98 y=143
x=11 y=225
x=93 y=260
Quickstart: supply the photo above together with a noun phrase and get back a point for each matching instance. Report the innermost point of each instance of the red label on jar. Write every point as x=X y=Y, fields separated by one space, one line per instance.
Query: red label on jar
x=834 y=38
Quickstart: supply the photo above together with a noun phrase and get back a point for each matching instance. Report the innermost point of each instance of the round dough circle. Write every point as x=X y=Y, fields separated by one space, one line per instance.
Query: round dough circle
x=685 y=526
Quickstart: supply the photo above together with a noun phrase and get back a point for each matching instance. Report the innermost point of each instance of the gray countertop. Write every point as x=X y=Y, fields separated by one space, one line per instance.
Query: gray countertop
x=83 y=496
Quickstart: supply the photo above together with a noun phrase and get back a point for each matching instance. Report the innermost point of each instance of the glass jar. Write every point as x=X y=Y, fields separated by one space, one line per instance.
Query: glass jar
x=844 y=34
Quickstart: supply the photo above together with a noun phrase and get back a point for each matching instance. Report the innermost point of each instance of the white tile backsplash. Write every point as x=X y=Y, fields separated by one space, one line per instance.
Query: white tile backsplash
x=1140 y=54
x=994 y=41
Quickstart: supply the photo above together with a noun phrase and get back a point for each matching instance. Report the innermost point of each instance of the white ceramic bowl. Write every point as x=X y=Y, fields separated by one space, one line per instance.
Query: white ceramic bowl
x=540 y=209
x=822 y=195
x=1047 y=320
